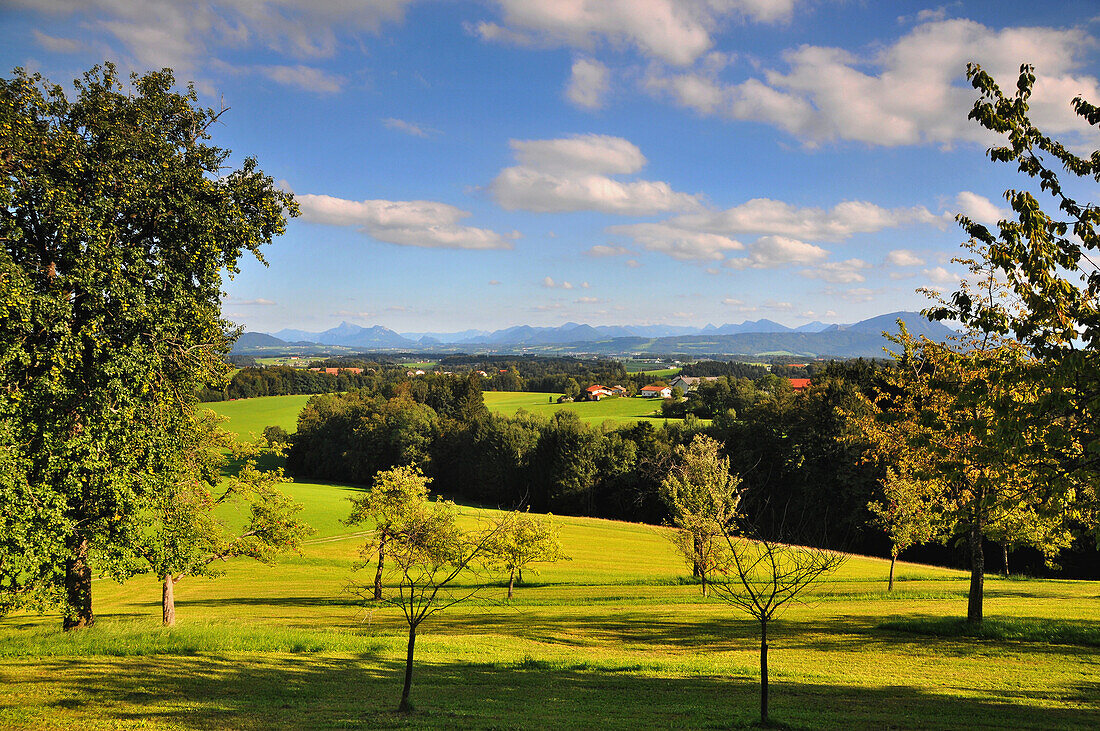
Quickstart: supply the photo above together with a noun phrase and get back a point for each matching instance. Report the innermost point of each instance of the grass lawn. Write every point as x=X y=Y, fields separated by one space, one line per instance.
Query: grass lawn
x=250 y=416
x=615 y=410
x=618 y=637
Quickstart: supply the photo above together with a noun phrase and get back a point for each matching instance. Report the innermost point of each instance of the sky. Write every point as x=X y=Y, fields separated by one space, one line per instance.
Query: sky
x=610 y=162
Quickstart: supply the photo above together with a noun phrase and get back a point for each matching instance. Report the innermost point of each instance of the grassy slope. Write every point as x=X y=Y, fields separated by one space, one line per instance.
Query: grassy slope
x=617 y=637
x=615 y=410
x=252 y=415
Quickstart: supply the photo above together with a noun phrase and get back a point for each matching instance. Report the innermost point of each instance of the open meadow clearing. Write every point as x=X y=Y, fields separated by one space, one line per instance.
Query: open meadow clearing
x=615 y=410
x=617 y=637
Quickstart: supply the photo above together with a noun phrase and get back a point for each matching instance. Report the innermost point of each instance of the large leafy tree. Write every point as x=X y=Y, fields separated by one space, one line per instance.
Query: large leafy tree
x=1048 y=260
x=118 y=219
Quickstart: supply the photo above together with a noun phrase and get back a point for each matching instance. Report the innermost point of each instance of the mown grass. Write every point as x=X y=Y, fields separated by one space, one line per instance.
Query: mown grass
x=615 y=410
x=250 y=416
x=618 y=637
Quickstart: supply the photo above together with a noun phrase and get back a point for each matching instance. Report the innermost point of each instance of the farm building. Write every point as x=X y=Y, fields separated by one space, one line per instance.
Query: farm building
x=656 y=392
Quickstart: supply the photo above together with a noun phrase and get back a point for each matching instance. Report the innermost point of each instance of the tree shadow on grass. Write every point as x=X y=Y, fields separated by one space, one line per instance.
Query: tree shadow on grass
x=257 y=691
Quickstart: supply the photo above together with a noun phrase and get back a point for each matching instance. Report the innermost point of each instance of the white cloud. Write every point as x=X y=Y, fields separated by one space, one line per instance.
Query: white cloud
x=587 y=300
x=772 y=217
x=588 y=83
x=910 y=92
x=678 y=243
x=305 y=78
x=633 y=263
x=739 y=306
x=571 y=174
x=600 y=250
x=54 y=44
x=494 y=282
x=903 y=258
x=260 y=302
x=409 y=128
x=855 y=294
x=939 y=275
x=979 y=208
x=425 y=224
x=185 y=34
x=770 y=252
x=840 y=272
x=672 y=30
x=549 y=283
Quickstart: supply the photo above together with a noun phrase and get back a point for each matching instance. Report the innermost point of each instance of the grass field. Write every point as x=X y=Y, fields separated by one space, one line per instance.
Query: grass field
x=615 y=410
x=618 y=637
x=250 y=416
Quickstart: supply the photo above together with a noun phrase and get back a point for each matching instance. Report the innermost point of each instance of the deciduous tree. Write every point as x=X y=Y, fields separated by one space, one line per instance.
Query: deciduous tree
x=117 y=219
x=525 y=540
x=702 y=497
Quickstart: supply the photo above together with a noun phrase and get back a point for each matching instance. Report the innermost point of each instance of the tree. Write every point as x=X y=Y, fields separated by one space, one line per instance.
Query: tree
x=182 y=536
x=948 y=420
x=906 y=512
x=117 y=220
x=763 y=578
x=1048 y=264
x=525 y=540
x=430 y=552
x=396 y=497
x=702 y=497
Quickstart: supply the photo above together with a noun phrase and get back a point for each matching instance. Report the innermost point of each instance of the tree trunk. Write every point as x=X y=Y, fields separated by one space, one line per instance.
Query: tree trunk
x=703 y=576
x=977 y=575
x=511 y=582
x=1004 y=550
x=696 y=564
x=168 y=600
x=763 y=671
x=893 y=560
x=405 y=707
x=381 y=565
x=519 y=575
x=78 y=586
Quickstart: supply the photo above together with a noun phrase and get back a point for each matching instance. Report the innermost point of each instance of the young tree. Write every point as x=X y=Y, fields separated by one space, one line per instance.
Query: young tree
x=906 y=512
x=430 y=552
x=702 y=497
x=525 y=540
x=117 y=220
x=763 y=578
x=181 y=536
x=397 y=496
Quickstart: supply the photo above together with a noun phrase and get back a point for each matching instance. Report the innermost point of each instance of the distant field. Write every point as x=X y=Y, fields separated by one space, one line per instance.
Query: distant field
x=420 y=364
x=298 y=362
x=253 y=414
x=617 y=410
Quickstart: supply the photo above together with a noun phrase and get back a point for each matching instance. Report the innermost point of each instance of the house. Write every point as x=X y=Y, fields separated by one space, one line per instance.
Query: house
x=618 y=391
x=597 y=392
x=799 y=384
x=656 y=392
x=688 y=383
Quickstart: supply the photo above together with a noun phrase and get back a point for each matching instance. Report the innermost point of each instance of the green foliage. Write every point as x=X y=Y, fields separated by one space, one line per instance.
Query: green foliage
x=702 y=497
x=524 y=540
x=118 y=219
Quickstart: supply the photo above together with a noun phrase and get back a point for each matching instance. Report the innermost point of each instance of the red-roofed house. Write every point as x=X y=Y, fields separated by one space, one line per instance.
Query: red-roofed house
x=597 y=392
x=799 y=384
x=656 y=392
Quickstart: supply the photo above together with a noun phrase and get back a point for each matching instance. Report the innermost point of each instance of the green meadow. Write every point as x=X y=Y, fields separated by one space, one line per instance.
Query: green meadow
x=617 y=637
x=616 y=410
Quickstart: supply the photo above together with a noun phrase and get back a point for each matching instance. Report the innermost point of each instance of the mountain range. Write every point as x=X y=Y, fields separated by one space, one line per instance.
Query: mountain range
x=750 y=338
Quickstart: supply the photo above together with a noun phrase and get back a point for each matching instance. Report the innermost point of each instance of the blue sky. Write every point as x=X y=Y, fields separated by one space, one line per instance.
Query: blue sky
x=486 y=164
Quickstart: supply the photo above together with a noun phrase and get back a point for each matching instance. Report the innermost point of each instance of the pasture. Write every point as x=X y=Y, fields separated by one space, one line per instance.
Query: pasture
x=617 y=637
x=616 y=410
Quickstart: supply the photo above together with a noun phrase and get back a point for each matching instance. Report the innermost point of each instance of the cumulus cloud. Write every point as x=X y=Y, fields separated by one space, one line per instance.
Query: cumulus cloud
x=260 y=302
x=979 y=208
x=903 y=258
x=767 y=216
x=770 y=252
x=572 y=174
x=939 y=275
x=426 y=224
x=910 y=92
x=588 y=83
x=840 y=272
x=679 y=243
x=676 y=32
x=549 y=283
x=587 y=300
x=184 y=34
